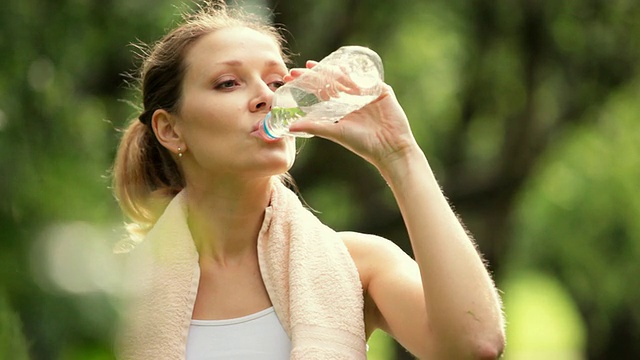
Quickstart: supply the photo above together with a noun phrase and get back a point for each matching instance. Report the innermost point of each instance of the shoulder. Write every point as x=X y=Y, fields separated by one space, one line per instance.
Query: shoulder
x=358 y=240
x=388 y=275
x=367 y=245
x=372 y=254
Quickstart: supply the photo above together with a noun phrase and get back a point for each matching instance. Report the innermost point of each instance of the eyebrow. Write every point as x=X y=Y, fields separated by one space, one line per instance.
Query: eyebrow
x=238 y=63
x=269 y=63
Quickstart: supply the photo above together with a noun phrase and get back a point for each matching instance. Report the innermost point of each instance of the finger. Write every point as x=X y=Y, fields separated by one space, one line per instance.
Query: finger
x=343 y=82
x=322 y=129
x=317 y=83
x=311 y=63
x=330 y=82
x=293 y=74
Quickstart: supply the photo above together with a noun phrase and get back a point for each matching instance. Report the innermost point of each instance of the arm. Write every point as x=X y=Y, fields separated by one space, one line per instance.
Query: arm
x=446 y=307
x=463 y=309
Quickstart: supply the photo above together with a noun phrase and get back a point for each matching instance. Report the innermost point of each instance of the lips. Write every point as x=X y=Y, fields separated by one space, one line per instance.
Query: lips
x=258 y=132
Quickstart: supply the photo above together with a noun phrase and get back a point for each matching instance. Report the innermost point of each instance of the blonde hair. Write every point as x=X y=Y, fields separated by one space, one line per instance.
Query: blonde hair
x=145 y=175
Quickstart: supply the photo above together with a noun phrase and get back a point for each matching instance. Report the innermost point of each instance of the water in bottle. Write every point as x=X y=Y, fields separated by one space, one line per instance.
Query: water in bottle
x=343 y=82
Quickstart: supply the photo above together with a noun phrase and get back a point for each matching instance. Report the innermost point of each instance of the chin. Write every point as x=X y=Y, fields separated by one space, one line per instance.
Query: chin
x=281 y=160
x=280 y=166
x=285 y=166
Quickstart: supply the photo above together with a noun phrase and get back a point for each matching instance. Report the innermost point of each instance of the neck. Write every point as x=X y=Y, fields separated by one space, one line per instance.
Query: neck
x=225 y=219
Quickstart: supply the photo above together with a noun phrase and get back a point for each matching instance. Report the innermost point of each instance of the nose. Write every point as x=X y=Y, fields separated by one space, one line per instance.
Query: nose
x=262 y=98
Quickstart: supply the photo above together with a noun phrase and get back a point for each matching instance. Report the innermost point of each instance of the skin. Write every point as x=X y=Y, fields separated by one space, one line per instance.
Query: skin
x=442 y=305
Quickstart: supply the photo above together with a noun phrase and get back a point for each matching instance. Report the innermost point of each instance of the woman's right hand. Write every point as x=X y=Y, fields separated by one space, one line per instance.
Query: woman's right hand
x=379 y=132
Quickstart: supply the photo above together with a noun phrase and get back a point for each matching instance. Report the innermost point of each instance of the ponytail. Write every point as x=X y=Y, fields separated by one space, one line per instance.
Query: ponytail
x=145 y=178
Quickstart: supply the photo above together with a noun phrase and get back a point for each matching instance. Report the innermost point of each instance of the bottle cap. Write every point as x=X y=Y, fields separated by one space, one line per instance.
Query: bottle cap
x=263 y=129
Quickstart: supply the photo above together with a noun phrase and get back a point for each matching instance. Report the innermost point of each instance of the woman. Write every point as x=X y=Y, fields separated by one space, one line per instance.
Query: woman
x=232 y=266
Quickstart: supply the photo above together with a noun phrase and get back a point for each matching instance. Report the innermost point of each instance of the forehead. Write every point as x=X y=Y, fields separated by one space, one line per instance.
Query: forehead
x=233 y=44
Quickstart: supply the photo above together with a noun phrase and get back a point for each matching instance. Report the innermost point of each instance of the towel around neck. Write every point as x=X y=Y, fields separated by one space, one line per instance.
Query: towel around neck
x=308 y=273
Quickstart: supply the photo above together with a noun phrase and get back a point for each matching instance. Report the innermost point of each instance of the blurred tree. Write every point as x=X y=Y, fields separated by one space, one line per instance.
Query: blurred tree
x=61 y=85
x=572 y=225
x=489 y=86
x=13 y=345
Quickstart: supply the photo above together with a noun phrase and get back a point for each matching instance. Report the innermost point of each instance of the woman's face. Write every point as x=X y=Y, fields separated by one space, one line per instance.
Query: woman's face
x=228 y=87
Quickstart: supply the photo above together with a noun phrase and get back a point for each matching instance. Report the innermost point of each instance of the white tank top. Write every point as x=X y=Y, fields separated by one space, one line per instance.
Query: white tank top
x=251 y=337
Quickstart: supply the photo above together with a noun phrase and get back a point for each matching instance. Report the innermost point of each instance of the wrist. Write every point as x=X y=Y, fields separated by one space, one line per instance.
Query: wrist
x=398 y=166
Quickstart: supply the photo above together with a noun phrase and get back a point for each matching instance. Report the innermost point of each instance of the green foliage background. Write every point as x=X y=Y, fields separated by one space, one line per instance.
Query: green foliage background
x=527 y=110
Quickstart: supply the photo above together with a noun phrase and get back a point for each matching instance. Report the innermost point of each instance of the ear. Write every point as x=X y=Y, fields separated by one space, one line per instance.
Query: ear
x=167 y=133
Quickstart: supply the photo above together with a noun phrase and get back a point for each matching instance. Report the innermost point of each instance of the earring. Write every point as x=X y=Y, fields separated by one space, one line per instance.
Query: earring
x=179 y=152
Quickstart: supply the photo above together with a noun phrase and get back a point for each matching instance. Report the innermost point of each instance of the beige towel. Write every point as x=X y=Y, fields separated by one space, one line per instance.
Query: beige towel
x=312 y=281
x=310 y=277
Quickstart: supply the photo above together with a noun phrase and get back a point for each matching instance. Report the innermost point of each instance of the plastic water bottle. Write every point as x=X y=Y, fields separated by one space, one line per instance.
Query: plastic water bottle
x=343 y=82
